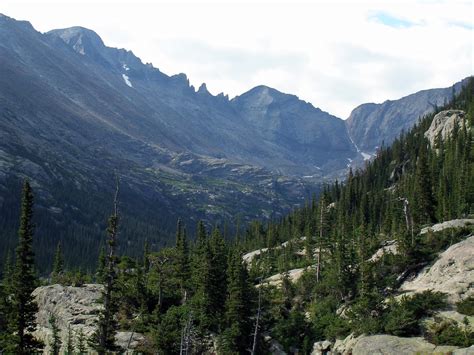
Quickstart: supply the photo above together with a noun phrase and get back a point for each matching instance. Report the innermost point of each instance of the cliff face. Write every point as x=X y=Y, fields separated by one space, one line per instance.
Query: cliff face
x=444 y=123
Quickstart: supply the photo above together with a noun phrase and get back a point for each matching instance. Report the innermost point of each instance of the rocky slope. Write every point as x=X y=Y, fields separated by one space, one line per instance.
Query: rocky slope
x=73 y=112
x=390 y=345
x=75 y=307
x=452 y=273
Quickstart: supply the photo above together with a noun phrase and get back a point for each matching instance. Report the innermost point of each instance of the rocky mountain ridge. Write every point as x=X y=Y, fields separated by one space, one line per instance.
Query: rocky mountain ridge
x=371 y=125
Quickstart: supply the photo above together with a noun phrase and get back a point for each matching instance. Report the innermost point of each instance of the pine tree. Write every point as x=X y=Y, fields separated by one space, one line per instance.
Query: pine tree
x=81 y=342
x=182 y=259
x=56 y=338
x=201 y=279
x=424 y=199
x=103 y=339
x=24 y=280
x=5 y=300
x=237 y=335
x=100 y=274
x=58 y=265
x=70 y=341
x=217 y=273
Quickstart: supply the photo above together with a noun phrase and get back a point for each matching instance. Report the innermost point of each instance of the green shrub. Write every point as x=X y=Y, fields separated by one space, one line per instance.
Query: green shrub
x=449 y=332
x=466 y=306
x=326 y=323
x=402 y=318
x=365 y=315
x=401 y=321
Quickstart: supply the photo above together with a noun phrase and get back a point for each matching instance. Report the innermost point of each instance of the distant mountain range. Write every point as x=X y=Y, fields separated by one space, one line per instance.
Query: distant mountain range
x=74 y=112
x=371 y=125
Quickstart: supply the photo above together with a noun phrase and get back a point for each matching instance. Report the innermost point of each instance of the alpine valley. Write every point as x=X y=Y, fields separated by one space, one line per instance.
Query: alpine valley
x=139 y=215
x=74 y=113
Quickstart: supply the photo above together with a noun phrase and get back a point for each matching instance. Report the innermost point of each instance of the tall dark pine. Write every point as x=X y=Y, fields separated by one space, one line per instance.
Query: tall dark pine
x=182 y=259
x=201 y=278
x=56 y=337
x=103 y=339
x=58 y=265
x=217 y=274
x=425 y=203
x=5 y=304
x=24 y=280
x=237 y=334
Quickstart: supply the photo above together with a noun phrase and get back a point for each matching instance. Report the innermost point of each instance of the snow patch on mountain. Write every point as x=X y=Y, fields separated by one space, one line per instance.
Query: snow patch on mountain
x=127 y=80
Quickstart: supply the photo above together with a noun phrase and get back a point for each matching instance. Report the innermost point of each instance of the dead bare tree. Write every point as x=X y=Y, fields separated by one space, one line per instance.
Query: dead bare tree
x=186 y=336
x=408 y=218
x=257 y=319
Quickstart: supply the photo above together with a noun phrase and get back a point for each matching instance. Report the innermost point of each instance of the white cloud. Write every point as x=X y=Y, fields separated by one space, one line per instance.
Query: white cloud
x=335 y=54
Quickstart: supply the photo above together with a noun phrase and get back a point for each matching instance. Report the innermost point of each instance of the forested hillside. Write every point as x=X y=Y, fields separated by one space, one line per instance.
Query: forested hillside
x=198 y=296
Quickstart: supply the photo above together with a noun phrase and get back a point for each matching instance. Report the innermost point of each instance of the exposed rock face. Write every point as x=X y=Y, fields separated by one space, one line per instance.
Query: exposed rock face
x=274 y=346
x=294 y=275
x=383 y=344
x=443 y=124
x=248 y=258
x=392 y=345
x=452 y=273
x=321 y=347
x=390 y=246
x=76 y=307
x=454 y=223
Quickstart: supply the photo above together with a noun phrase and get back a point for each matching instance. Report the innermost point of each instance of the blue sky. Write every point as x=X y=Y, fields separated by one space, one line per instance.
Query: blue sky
x=334 y=54
x=390 y=20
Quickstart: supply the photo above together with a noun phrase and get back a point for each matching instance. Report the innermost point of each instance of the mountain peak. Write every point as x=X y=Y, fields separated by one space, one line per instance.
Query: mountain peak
x=6 y=20
x=203 y=89
x=82 y=40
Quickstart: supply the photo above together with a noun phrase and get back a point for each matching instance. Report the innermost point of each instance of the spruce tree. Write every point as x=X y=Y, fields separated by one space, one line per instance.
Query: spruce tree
x=5 y=300
x=103 y=339
x=22 y=320
x=100 y=273
x=81 y=342
x=70 y=341
x=58 y=265
x=425 y=204
x=56 y=338
x=217 y=274
x=201 y=279
x=237 y=334
x=182 y=259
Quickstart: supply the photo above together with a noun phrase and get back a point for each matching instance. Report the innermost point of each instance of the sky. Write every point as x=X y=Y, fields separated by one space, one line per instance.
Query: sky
x=334 y=54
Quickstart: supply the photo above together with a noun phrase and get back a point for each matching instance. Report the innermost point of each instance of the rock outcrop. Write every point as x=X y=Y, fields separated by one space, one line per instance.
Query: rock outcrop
x=452 y=273
x=321 y=347
x=248 y=258
x=392 y=345
x=455 y=223
x=443 y=124
x=383 y=344
x=77 y=307
x=293 y=275
x=390 y=246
